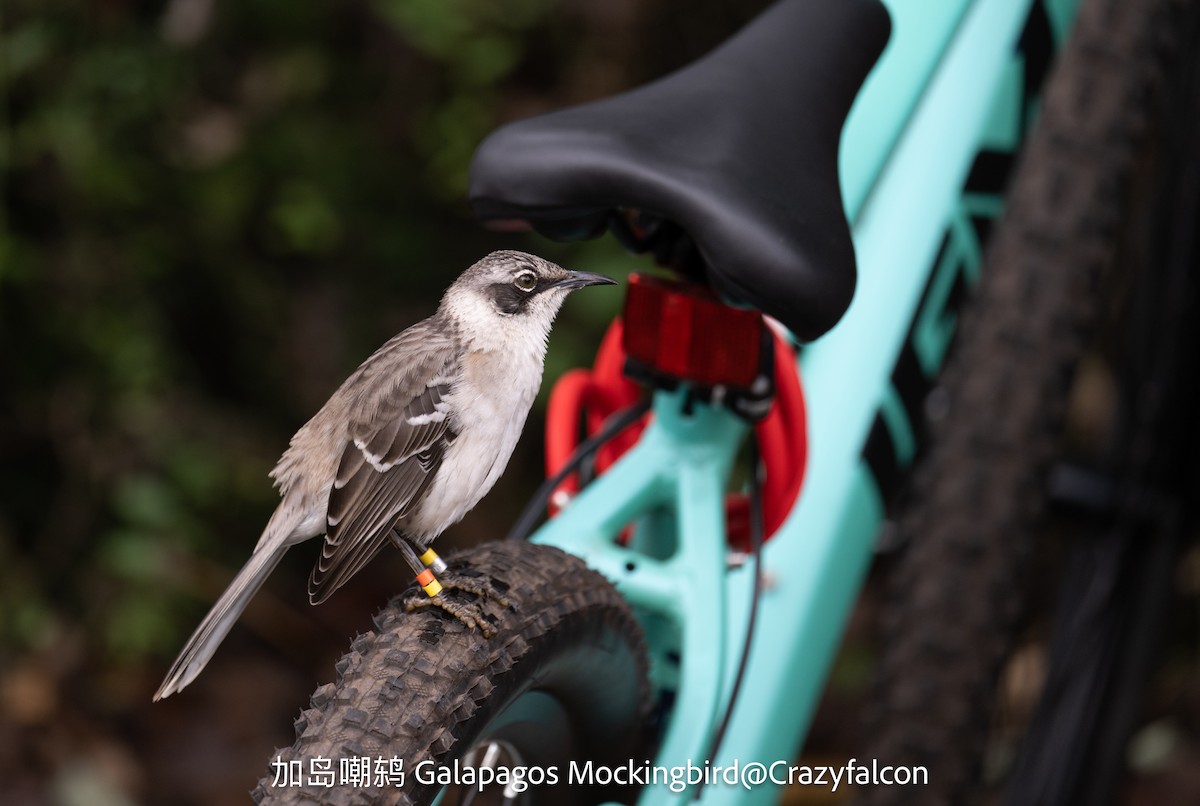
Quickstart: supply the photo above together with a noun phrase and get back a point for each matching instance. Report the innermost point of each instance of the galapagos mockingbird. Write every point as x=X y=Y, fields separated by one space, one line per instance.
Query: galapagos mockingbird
x=409 y=443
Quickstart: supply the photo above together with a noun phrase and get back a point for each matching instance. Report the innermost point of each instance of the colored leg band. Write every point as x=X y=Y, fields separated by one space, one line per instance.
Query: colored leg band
x=429 y=583
x=431 y=560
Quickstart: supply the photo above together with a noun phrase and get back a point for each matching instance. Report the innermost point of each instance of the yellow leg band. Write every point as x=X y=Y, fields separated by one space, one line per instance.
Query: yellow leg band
x=433 y=589
x=431 y=560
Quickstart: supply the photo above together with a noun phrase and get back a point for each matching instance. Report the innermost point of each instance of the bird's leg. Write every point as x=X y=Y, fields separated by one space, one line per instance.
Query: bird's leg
x=426 y=563
x=428 y=557
x=481 y=586
x=426 y=577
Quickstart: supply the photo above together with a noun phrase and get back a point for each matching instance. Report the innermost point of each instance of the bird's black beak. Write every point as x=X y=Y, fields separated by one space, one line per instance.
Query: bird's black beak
x=579 y=279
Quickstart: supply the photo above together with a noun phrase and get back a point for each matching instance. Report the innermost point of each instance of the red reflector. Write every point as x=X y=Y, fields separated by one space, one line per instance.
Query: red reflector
x=685 y=332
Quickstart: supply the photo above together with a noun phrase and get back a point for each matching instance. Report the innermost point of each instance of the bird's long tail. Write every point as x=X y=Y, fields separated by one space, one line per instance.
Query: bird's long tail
x=220 y=619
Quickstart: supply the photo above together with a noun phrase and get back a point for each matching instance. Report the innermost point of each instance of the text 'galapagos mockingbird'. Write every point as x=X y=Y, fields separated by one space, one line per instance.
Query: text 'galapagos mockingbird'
x=409 y=443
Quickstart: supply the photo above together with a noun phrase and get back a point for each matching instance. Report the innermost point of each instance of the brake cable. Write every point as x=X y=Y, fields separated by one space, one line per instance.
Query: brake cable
x=756 y=545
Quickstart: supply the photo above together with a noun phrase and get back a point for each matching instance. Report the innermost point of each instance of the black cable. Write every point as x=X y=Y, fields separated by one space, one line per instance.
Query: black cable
x=756 y=544
x=615 y=425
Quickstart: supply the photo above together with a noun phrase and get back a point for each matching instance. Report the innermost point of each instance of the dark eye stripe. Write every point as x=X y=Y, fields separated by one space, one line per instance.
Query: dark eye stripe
x=509 y=299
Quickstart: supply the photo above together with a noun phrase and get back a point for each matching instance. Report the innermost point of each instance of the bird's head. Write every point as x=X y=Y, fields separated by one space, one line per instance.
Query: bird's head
x=508 y=292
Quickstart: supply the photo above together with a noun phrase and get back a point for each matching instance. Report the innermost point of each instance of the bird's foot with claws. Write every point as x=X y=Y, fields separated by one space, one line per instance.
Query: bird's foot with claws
x=465 y=596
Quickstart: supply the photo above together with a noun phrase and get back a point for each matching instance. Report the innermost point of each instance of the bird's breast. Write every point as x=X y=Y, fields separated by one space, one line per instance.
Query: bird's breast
x=489 y=405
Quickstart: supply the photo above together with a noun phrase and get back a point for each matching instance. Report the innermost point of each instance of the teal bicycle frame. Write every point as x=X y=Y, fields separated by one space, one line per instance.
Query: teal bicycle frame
x=948 y=85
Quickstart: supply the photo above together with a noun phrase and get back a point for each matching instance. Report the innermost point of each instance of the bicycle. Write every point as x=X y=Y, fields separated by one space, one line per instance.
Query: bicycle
x=627 y=629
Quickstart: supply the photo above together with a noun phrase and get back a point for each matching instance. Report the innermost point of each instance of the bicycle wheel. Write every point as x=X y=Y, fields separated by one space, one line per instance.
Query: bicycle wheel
x=955 y=595
x=1119 y=581
x=563 y=678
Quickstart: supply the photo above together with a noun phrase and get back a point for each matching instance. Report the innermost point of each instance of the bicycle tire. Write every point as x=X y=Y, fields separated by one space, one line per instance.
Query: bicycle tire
x=1119 y=580
x=425 y=688
x=953 y=600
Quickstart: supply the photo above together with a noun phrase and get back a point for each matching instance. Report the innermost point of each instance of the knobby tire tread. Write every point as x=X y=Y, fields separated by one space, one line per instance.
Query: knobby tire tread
x=422 y=685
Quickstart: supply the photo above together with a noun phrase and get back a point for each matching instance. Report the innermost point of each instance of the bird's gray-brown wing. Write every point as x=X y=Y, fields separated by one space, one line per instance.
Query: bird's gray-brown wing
x=399 y=429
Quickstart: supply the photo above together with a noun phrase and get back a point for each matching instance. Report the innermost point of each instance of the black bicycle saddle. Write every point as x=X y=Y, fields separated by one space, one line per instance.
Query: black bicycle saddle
x=735 y=155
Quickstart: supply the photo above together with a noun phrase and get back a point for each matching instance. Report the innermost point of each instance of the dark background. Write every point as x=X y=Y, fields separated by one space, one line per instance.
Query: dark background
x=212 y=212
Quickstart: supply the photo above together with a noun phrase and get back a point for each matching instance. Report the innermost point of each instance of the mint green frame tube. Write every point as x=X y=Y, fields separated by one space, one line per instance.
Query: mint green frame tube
x=941 y=89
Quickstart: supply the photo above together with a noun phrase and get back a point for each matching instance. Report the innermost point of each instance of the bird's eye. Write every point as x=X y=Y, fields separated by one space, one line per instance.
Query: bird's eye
x=526 y=281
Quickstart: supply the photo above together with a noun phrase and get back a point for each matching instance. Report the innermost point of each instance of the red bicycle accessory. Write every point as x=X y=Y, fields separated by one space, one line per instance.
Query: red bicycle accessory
x=588 y=398
x=684 y=332
x=681 y=332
